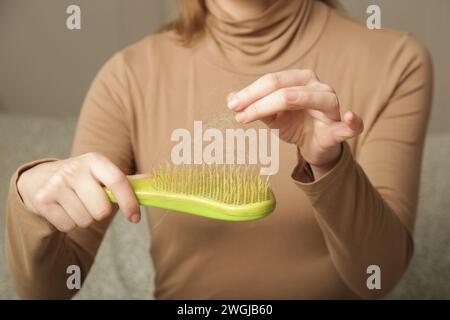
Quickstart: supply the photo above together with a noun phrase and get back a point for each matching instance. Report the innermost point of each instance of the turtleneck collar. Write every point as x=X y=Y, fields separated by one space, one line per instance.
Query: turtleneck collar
x=271 y=40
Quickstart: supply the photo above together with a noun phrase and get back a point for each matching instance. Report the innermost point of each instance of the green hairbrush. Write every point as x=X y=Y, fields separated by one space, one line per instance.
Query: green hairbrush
x=223 y=192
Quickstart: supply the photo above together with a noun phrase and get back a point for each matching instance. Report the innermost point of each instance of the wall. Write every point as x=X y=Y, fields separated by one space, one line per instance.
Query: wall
x=429 y=20
x=54 y=66
x=46 y=68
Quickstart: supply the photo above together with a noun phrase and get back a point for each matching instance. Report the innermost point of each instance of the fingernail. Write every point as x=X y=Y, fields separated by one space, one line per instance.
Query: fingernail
x=233 y=103
x=135 y=218
x=240 y=117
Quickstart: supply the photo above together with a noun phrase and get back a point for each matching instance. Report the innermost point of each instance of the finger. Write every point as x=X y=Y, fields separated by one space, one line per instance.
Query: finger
x=116 y=181
x=324 y=101
x=350 y=127
x=230 y=96
x=139 y=176
x=58 y=217
x=93 y=197
x=48 y=207
x=269 y=120
x=354 y=122
x=74 y=208
x=268 y=84
x=296 y=98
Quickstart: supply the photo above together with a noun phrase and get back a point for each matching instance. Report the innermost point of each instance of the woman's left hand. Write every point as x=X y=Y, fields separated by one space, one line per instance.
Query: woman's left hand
x=306 y=112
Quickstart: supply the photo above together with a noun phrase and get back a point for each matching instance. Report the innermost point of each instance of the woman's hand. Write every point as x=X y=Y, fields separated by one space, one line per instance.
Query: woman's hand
x=69 y=193
x=306 y=112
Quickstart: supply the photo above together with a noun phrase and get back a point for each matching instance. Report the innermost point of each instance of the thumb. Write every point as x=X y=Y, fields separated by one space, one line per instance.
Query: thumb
x=139 y=176
x=350 y=127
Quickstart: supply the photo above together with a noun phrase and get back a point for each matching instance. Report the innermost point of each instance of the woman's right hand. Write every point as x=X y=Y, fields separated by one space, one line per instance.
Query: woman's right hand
x=69 y=193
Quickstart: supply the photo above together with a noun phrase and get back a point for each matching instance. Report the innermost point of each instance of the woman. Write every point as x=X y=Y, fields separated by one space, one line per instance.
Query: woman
x=346 y=197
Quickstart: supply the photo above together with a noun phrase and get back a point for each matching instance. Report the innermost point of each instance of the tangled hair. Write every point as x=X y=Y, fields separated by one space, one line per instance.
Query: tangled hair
x=191 y=18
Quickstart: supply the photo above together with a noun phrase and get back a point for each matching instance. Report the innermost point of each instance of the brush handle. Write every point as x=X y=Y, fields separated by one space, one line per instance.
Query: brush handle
x=140 y=188
x=149 y=197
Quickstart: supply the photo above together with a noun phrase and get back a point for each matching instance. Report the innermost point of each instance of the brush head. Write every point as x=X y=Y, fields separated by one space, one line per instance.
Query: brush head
x=228 y=184
x=223 y=192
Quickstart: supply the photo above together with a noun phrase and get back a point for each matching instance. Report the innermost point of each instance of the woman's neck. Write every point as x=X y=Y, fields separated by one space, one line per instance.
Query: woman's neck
x=271 y=36
x=244 y=9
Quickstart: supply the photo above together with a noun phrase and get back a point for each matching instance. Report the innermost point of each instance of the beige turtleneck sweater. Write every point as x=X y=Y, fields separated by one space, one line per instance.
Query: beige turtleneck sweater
x=324 y=234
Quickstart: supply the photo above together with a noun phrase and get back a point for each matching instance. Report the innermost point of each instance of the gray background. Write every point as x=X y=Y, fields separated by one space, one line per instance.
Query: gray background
x=46 y=69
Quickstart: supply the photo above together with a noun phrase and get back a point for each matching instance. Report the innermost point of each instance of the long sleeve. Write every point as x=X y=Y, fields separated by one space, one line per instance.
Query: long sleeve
x=366 y=205
x=38 y=255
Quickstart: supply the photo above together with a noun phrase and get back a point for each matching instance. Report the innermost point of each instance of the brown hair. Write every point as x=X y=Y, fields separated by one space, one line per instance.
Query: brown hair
x=191 y=18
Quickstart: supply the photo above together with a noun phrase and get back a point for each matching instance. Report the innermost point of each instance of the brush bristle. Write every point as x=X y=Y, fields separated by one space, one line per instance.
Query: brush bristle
x=230 y=184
